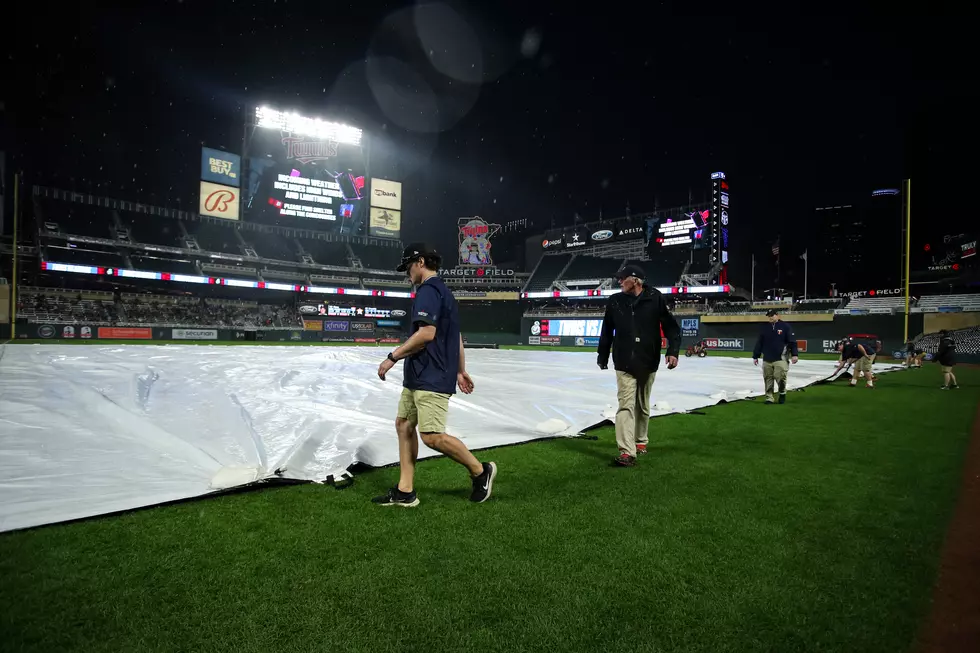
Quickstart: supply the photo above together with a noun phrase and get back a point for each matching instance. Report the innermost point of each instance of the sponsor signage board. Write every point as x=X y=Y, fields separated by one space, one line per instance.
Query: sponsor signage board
x=313 y=325
x=221 y=167
x=586 y=342
x=219 y=201
x=386 y=194
x=801 y=346
x=126 y=333
x=335 y=325
x=689 y=327
x=308 y=309
x=362 y=327
x=194 y=334
x=479 y=272
x=68 y=332
x=531 y=340
x=398 y=313
x=601 y=236
x=389 y=323
x=550 y=340
x=830 y=346
x=725 y=344
x=554 y=242
x=46 y=331
x=385 y=223
x=364 y=340
x=887 y=292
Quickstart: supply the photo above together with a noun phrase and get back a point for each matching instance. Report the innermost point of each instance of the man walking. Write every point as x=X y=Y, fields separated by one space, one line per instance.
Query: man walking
x=776 y=344
x=434 y=364
x=632 y=327
x=947 y=359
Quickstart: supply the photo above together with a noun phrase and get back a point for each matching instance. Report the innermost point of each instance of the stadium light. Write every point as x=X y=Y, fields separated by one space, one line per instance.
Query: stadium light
x=293 y=122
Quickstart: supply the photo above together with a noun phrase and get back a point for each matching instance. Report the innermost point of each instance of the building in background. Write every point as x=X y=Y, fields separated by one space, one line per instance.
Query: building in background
x=859 y=243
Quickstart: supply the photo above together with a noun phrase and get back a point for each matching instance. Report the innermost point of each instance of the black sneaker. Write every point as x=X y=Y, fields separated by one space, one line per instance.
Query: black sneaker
x=483 y=484
x=782 y=398
x=396 y=497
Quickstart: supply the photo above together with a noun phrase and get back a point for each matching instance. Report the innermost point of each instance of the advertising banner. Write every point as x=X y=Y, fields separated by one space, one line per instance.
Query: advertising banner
x=362 y=327
x=575 y=238
x=313 y=325
x=550 y=340
x=86 y=332
x=335 y=325
x=221 y=167
x=534 y=340
x=68 y=332
x=219 y=201
x=801 y=346
x=601 y=236
x=552 y=243
x=689 y=327
x=386 y=194
x=126 y=333
x=194 y=334
x=389 y=323
x=385 y=223
x=489 y=295
x=364 y=340
x=725 y=344
x=586 y=342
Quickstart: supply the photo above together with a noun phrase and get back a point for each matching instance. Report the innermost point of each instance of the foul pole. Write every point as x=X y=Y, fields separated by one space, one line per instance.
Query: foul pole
x=908 y=248
x=13 y=281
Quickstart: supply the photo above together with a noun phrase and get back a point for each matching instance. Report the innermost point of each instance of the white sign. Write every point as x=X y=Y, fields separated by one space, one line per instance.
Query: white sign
x=386 y=194
x=219 y=201
x=308 y=198
x=293 y=122
x=194 y=334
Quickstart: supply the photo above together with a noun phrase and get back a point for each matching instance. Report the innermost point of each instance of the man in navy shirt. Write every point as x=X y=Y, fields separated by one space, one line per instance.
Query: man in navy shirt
x=434 y=365
x=775 y=345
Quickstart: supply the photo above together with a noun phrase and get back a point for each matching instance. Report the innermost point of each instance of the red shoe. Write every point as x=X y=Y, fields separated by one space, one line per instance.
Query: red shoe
x=624 y=460
x=641 y=449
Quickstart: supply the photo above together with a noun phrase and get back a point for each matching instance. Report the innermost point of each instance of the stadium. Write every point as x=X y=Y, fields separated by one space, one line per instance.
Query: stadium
x=190 y=403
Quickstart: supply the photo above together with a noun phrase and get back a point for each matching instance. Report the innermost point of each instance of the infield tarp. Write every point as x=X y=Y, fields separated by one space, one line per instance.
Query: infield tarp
x=89 y=430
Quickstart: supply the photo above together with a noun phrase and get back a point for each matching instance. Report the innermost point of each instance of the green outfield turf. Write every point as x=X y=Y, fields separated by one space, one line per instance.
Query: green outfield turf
x=813 y=526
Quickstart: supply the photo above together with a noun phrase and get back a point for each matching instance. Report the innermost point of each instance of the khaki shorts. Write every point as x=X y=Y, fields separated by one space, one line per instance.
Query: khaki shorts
x=426 y=409
x=863 y=364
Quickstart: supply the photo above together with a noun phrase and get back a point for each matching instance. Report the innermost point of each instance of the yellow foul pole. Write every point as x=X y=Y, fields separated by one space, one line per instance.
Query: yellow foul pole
x=908 y=249
x=13 y=282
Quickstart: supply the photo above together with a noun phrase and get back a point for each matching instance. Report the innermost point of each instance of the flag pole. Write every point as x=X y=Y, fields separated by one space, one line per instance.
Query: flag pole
x=752 y=292
x=908 y=246
x=806 y=270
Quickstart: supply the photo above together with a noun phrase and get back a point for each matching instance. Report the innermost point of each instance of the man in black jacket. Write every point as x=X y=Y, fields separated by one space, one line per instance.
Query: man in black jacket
x=775 y=345
x=632 y=326
x=947 y=358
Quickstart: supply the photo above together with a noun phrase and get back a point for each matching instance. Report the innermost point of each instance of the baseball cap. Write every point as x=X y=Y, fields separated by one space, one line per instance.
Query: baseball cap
x=631 y=271
x=771 y=312
x=414 y=252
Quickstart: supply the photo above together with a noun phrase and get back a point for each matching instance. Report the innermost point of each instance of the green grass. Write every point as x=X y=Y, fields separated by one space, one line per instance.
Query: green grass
x=814 y=526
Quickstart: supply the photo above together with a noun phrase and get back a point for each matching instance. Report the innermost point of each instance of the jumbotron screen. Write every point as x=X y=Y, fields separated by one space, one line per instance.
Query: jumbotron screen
x=677 y=239
x=302 y=173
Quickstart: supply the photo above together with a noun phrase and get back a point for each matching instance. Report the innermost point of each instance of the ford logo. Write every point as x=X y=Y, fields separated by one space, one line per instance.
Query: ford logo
x=307 y=309
x=398 y=313
x=605 y=234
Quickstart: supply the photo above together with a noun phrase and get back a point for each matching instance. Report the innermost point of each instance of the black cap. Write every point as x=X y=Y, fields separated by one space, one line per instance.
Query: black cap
x=414 y=252
x=631 y=271
x=771 y=312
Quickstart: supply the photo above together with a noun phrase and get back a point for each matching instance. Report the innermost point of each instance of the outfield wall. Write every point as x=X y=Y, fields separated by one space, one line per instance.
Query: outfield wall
x=736 y=333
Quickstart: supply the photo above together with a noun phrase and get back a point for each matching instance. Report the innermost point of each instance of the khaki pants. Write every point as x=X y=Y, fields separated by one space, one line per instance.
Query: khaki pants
x=425 y=409
x=775 y=374
x=633 y=416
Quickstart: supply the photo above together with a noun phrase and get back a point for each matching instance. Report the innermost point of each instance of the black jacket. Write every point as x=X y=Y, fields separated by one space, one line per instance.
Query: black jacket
x=946 y=356
x=775 y=340
x=642 y=317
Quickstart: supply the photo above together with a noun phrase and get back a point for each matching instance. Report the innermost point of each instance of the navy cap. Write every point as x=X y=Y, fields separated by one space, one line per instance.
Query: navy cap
x=414 y=252
x=771 y=312
x=631 y=271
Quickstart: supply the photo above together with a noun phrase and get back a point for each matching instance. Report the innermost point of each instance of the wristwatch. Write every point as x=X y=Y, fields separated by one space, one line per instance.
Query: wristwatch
x=392 y=358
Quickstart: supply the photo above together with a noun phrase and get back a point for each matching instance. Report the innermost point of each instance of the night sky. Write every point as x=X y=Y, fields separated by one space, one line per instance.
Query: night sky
x=525 y=110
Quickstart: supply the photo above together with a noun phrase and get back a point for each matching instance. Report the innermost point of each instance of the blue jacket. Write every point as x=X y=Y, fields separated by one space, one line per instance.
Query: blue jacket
x=774 y=341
